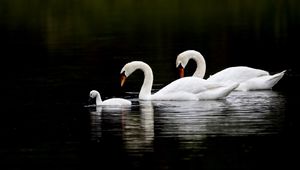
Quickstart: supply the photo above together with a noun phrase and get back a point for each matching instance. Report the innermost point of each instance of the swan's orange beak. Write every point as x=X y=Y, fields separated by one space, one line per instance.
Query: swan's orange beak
x=181 y=71
x=122 y=78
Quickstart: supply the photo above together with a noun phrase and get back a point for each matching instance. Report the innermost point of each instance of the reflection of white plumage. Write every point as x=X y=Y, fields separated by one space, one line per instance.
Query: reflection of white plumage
x=248 y=78
x=112 y=101
x=188 y=88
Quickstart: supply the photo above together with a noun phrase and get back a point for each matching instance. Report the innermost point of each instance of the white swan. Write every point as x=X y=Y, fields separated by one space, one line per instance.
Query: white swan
x=109 y=102
x=187 y=88
x=248 y=78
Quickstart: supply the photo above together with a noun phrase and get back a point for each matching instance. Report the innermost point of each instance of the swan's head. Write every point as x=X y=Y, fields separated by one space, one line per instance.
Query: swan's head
x=129 y=68
x=125 y=72
x=183 y=59
x=94 y=93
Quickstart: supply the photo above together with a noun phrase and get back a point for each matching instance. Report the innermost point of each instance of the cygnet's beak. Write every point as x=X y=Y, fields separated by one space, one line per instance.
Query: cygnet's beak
x=181 y=71
x=122 y=78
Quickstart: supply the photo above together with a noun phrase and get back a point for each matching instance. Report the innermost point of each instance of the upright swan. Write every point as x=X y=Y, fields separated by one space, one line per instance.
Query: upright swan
x=108 y=102
x=248 y=78
x=187 y=88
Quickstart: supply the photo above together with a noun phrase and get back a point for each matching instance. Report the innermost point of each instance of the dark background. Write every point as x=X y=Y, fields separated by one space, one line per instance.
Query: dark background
x=54 y=52
x=63 y=46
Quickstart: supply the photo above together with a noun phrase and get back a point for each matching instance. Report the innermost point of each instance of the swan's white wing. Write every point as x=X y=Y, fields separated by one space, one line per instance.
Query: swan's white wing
x=217 y=93
x=188 y=84
x=237 y=74
x=193 y=88
x=116 y=102
x=261 y=83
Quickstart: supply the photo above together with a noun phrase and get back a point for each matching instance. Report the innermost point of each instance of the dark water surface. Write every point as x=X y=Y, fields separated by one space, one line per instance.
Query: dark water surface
x=54 y=52
x=244 y=132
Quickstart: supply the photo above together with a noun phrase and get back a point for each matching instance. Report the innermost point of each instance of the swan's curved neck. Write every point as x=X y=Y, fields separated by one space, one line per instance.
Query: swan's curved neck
x=98 y=99
x=201 y=65
x=145 y=92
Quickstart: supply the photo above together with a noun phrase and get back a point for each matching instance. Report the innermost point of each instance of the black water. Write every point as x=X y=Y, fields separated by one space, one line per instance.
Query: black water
x=53 y=53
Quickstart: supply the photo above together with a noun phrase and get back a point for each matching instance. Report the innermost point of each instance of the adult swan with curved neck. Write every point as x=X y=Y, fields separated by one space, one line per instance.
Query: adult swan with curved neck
x=187 y=88
x=248 y=78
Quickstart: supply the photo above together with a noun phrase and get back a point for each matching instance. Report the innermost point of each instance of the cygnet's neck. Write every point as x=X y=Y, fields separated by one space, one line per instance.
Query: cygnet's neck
x=98 y=99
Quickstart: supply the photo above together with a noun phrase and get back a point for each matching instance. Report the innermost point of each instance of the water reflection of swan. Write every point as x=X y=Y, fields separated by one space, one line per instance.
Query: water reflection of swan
x=136 y=125
x=189 y=122
x=190 y=106
x=243 y=113
x=138 y=132
x=96 y=121
x=256 y=112
x=186 y=120
x=104 y=117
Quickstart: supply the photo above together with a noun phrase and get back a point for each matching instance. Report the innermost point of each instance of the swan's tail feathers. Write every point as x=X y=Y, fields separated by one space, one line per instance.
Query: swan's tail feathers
x=275 y=78
x=217 y=93
x=280 y=74
x=261 y=83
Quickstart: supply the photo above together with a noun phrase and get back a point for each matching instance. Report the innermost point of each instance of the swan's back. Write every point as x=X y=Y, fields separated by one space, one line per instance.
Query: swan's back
x=237 y=74
x=116 y=102
x=193 y=88
x=187 y=84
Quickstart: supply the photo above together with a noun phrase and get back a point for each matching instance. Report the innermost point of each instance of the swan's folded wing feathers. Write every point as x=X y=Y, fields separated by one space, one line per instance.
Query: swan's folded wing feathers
x=116 y=101
x=189 y=84
x=237 y=74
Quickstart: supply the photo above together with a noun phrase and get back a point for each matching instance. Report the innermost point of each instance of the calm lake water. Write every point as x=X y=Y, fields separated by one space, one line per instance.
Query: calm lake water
x=55 y=52
x=239 y=132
